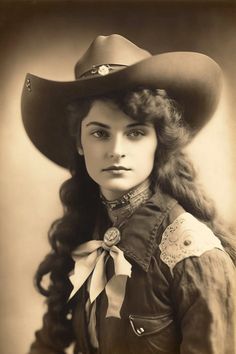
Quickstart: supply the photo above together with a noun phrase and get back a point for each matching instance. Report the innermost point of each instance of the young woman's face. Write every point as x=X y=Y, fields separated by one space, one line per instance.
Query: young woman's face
x=119 y=151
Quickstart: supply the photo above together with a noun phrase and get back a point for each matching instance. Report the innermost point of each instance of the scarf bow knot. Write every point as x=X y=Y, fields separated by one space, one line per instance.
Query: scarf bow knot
x=91 y=259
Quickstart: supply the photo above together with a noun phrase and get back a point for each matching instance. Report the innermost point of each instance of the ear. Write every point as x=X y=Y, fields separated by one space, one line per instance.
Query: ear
x=80 y=150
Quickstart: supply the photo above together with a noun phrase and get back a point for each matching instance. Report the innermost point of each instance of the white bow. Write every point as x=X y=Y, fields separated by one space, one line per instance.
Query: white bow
x=91 y=257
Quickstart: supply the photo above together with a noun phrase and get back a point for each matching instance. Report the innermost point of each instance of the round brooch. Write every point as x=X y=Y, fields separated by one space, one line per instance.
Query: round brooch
x=111 y=237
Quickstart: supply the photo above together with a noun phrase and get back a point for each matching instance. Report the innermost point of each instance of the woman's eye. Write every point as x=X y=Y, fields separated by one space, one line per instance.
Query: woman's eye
x=100 y=134
x=136 y=133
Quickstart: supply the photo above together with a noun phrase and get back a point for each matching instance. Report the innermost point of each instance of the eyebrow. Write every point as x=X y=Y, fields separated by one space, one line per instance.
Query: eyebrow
x=102 y=125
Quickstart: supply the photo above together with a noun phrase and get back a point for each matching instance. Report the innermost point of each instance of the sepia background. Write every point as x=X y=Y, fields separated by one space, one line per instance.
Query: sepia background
x=46 y=38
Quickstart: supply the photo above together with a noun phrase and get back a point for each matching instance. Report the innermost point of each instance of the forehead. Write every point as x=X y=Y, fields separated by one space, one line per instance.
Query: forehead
x=107 y=112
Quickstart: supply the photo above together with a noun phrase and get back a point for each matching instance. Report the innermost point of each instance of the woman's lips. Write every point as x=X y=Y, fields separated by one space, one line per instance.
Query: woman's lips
x=116 y=168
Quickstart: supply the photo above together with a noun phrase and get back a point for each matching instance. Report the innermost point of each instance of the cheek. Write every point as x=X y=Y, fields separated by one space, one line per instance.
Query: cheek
x=145 y=157
x=89 y=156
x=93 y=156
x=150 y=155
x=89 y=147
x=88 y=150
x=149 y=151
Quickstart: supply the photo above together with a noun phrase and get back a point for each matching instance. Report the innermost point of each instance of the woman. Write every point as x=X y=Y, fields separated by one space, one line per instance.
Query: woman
x=140 y=262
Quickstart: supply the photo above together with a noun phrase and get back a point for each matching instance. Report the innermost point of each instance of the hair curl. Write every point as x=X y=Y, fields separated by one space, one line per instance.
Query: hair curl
x=173 y=173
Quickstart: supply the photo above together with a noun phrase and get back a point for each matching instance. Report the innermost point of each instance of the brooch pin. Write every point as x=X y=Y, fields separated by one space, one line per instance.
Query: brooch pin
x=111 y=237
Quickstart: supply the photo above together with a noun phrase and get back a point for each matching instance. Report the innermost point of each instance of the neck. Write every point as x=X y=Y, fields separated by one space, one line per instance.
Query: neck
x=125 y=205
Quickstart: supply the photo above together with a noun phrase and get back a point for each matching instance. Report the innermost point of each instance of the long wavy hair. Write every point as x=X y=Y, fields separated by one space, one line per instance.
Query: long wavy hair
x=172 y=172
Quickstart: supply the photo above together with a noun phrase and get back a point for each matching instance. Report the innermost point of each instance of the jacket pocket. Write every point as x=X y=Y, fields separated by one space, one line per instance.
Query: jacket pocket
x=155 y=334
x=146 y=325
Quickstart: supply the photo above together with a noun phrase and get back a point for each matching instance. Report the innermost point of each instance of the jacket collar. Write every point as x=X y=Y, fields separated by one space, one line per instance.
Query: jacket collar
x=139 y=234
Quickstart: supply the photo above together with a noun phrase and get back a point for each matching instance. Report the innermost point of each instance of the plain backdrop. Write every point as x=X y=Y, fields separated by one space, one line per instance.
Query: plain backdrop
x=47 y=38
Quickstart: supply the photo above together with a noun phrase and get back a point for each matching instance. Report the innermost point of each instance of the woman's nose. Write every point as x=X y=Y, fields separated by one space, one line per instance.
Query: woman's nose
x=115 y=155
x=116 y=148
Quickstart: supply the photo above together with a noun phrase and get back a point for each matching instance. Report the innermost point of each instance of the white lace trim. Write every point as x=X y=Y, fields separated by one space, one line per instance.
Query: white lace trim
x=184 y=238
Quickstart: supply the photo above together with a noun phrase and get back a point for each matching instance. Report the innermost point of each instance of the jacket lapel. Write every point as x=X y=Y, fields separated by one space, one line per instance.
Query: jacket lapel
x=139 y=234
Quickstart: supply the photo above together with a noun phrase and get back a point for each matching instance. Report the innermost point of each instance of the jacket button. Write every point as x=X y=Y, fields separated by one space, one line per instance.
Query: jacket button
x=187 y=242
x=140 y=330
x=69 y=316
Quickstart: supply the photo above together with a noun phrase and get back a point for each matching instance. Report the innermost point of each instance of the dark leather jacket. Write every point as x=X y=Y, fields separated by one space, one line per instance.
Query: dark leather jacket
x=189 y=311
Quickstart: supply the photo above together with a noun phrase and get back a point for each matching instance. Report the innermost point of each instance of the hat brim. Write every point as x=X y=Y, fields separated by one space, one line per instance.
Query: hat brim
x=192 y=79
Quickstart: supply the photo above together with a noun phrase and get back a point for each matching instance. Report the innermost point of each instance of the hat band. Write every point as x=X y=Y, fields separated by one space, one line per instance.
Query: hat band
x=102 y=70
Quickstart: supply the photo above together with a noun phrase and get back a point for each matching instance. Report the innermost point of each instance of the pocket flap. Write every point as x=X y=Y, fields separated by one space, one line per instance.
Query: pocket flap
x=145 y=325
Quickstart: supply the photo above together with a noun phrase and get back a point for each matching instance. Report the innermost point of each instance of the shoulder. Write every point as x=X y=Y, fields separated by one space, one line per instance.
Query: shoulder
x=186 y=237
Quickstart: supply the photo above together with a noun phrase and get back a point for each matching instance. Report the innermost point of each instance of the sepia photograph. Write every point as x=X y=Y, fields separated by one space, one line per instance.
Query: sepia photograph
x=118 y=177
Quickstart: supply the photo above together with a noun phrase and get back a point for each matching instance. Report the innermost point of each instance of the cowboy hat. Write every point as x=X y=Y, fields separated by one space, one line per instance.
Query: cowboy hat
x=110 y=64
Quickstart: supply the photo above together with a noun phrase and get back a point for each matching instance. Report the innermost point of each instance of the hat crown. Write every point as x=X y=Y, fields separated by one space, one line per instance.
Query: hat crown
x=112 y=50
